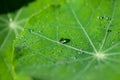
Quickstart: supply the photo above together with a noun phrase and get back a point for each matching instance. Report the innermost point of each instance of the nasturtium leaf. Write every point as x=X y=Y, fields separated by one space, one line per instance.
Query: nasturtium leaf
x=11 y=25
x=92 y=53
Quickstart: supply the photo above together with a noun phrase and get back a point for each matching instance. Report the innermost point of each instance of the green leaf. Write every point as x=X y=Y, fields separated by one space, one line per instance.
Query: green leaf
x=92 y=52
x=6 y=51
x=11 y=25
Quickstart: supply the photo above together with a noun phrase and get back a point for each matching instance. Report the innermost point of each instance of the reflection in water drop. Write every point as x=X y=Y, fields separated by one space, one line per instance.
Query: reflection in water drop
x=64 y=40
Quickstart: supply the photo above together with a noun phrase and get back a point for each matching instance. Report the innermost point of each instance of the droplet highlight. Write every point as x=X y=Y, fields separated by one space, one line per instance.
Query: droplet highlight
x=64 y=40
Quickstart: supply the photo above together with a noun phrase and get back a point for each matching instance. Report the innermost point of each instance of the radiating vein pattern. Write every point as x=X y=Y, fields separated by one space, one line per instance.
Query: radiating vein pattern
x=78 y=21
x=84 y=52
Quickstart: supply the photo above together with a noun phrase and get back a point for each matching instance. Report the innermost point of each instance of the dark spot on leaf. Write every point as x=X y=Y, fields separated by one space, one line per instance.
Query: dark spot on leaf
x=109 y=30
x=18 y=51
x=61 y=51
x=64 y=40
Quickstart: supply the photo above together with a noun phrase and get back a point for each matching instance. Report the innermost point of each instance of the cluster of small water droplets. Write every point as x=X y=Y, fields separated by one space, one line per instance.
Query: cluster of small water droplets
x=104 y=18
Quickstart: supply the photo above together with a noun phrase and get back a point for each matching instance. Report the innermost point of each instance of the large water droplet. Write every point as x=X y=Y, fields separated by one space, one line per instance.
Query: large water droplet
x=64 y=40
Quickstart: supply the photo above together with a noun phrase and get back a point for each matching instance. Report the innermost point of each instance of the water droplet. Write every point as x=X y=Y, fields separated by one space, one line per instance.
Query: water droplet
x=64 y=40
x=109 y=30
x=100 y=17
x=107 y=18
x=104 y=17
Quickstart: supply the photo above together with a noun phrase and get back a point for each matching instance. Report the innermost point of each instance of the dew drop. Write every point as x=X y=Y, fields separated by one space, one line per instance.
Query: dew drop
x=100 y=17
x=109 y=30
x=107 y=18
x=64 y=40
x=104 y=17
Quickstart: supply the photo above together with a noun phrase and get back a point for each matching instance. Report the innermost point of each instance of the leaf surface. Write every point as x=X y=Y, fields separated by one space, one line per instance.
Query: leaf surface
x=92 y=52
x=11 y=24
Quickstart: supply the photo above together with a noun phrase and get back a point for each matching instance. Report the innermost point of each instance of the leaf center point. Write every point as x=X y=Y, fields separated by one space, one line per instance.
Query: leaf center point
x=12 y=24
x=100 y=56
